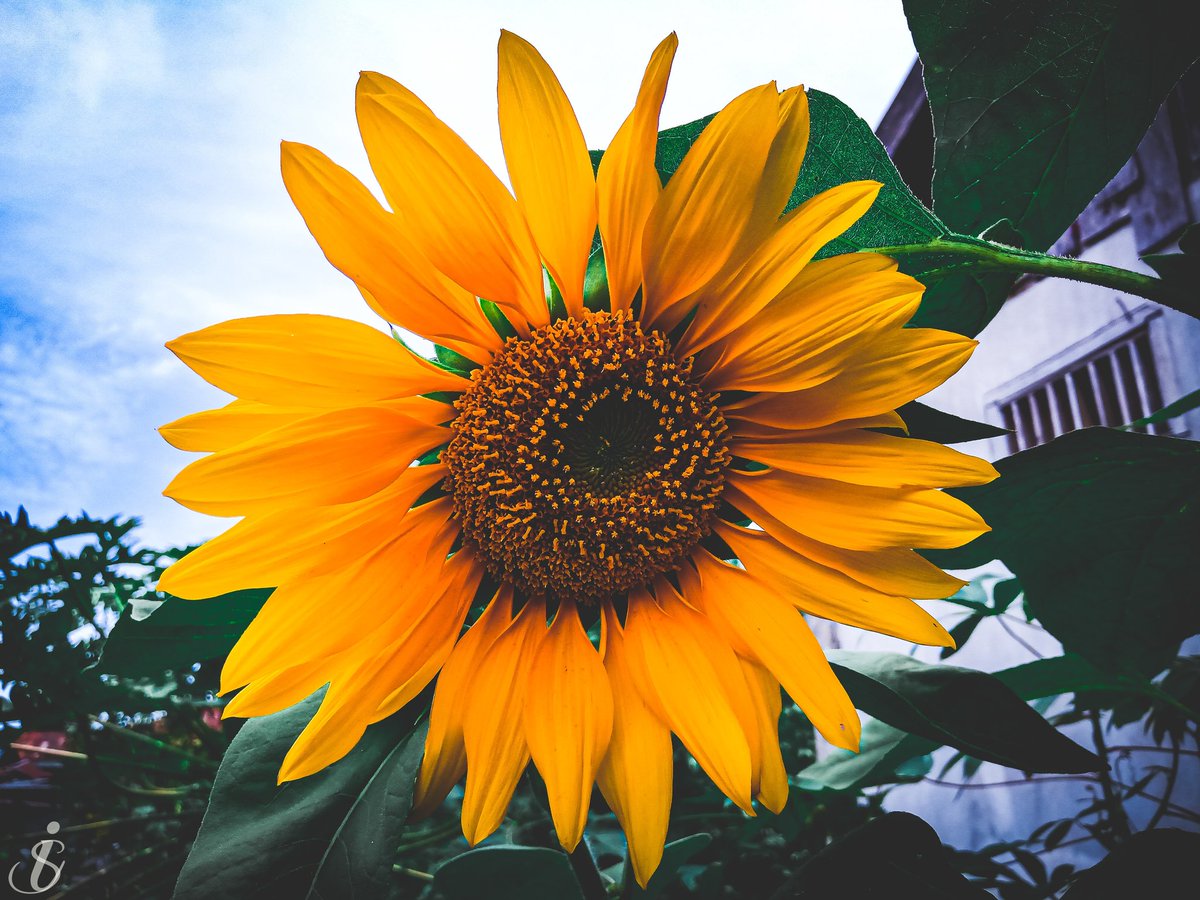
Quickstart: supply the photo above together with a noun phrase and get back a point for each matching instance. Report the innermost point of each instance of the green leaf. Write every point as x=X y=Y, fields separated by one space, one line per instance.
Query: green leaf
x=332 y=834
x=1068 y=674
x=1164 y=856
x=1004 y=593
x=1181 y=272
x=961 y=708
x=508 y=873
x=1036 y=106
x=1099 y=525
x=931 y=424
x=1186 y=403
x=896 y=855
x=961 y=633
x=499 y=321
x=178 y=633
x=453 y=360
x=675 y=854
x=841 y=148
x=882 y=750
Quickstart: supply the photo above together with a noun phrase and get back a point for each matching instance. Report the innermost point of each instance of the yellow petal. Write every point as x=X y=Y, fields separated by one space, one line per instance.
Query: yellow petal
x=693 y=680
x=782 y=642
x=493 y=731
x=810 y=332
x=867 y=457
x=769 y=434
x=455 y=210
x=285 y=687
x=548 y=163
x=858 y=517
x=729 y=303
x=627 y=184
x=431 y=633
x=781 y=170
x=824 y=592
x=265 y=551
x=217 y=429
x=304 y=464
x=893 y=369
x=896 y=571
x=445 y=760
x=355 y=695
x=375 y=248
x=308 y=360
x=768 y=704
x=702 y=212
x=568 y=721
x=636 y=774
x=295 y=624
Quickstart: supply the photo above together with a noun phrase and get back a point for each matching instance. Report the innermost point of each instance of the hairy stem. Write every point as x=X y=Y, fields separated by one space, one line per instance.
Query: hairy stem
x=990 y=256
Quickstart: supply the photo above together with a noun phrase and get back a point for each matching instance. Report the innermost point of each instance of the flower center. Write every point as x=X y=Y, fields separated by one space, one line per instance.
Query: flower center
x=585 y=460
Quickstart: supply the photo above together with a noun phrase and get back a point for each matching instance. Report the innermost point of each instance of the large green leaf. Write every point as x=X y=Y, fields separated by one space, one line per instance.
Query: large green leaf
x=675 y=854
x=1068 y=674
x=177 y=633
x=1162 y=856
x=508 y=873
x=1181 y=272
x=962 y=708
x=1100 y=526
x=841 y=148
x=897 y=855
x=882 y=753
x=332 y=834
x=886 y=753
x=931 y=424
x=1037 y=105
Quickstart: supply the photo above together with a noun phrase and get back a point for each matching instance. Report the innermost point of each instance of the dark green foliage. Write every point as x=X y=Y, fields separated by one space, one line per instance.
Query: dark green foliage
x=897 y=855
x=1182 y=272
x=332 y=834
x=1165 y=858
x=957 y=707
x=1037 y=105
x=134 y=755
x=1100 y=526
x=174 y=633
x=929 y=424
x=508 y=873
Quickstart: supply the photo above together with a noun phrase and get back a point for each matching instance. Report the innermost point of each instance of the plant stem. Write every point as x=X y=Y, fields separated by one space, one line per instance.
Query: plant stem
x=413 y=873
x=1001 y=258
x=1016 y=637
x=1118 y=822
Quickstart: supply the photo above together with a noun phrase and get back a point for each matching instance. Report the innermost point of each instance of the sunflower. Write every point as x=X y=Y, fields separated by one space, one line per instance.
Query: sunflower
x=646 y=486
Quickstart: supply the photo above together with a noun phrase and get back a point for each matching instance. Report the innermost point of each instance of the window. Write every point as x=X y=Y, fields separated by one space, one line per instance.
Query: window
x=1114 y=385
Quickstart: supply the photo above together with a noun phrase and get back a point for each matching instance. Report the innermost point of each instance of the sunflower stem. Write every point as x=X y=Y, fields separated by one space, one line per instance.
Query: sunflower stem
x=991 y=256
x=587 y=873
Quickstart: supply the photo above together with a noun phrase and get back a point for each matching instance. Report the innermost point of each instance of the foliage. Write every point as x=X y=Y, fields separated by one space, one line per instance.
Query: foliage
x=124 y=763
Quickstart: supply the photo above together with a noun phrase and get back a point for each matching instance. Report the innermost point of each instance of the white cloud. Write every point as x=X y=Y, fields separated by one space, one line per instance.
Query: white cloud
x=140 y=195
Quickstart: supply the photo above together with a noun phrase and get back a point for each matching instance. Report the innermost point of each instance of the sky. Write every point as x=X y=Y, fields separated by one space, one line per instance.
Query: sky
x=140 y=195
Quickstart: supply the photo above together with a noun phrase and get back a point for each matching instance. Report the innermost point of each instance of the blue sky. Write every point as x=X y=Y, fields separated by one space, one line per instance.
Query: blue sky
x=140 y=194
